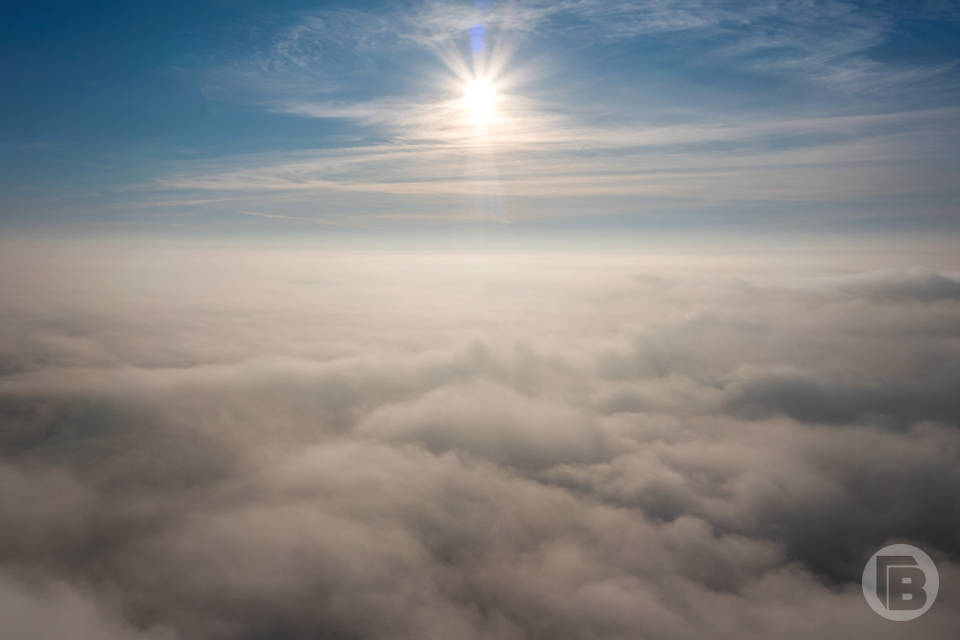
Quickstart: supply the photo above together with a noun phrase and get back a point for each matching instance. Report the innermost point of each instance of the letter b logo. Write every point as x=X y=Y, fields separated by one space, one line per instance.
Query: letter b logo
x=900 y=582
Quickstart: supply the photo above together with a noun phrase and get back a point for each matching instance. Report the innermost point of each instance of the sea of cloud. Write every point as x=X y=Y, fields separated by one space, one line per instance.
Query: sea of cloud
x=220 y=444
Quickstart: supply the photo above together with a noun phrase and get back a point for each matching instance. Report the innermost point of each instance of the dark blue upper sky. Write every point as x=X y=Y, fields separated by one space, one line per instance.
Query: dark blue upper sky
x=293 y=116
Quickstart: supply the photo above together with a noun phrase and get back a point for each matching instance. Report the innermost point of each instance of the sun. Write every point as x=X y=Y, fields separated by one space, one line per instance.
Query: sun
x=480 y=99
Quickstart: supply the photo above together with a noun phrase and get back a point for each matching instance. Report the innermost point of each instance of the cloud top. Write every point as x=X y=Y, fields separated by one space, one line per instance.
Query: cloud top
x=496 y=446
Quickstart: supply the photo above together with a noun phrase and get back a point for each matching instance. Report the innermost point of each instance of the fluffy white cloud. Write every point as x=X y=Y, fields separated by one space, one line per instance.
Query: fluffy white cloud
x=247 y=444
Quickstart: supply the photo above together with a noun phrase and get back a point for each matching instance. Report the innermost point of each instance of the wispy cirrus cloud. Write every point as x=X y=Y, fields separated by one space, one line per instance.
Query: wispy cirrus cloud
x=857 y=131
x=846 y=156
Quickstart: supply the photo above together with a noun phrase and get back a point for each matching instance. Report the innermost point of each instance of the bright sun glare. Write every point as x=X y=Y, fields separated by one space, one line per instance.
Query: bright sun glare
x=480 y=99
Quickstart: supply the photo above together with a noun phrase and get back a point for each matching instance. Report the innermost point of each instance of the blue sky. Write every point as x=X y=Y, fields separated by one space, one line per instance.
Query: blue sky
x=326 y=118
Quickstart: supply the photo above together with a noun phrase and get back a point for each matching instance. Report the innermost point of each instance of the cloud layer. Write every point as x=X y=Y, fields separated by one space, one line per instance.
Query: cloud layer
x=256 y=444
